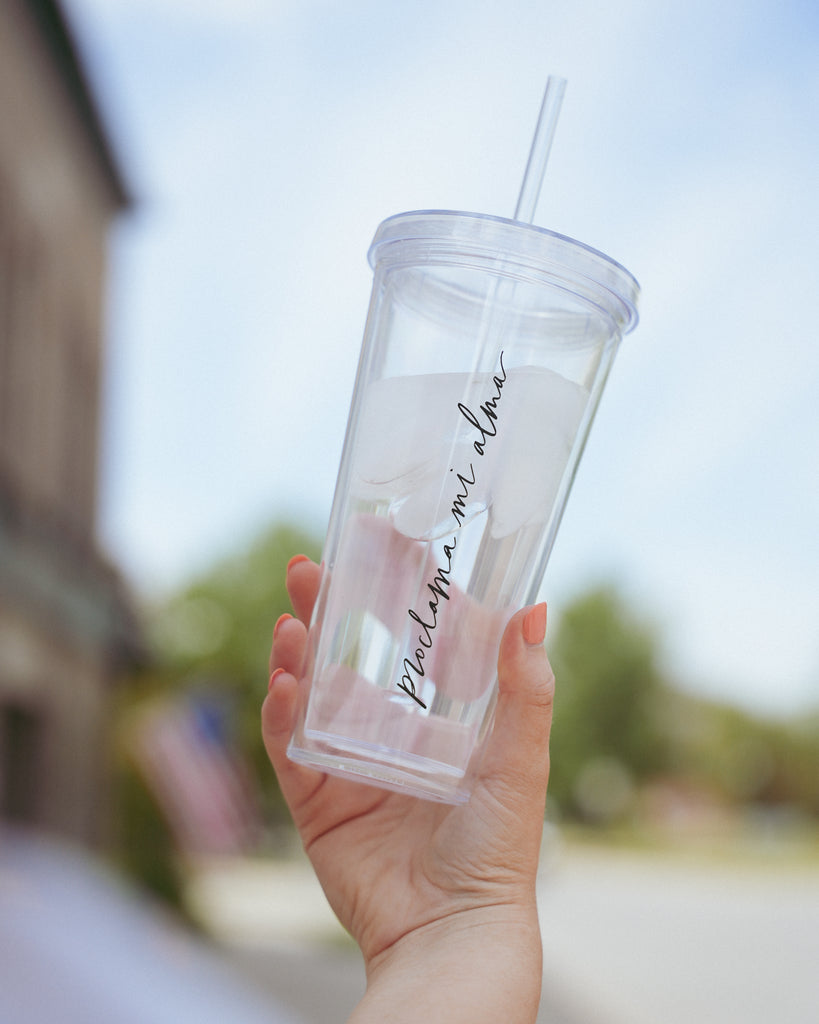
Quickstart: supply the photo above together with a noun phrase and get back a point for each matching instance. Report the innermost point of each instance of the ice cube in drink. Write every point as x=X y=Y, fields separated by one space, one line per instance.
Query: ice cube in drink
x=414 y=439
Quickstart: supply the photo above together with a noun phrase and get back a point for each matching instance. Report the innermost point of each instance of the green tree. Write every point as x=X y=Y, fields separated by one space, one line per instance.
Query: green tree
x=742 y=758
x=606 y=732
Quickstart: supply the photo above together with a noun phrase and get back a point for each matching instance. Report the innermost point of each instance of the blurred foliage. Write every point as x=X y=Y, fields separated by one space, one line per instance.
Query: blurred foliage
x=216 y=632
x=605 y=736
x=143 y=845
x=211 y=635
x=626 y=745
x=742 y=758
x=622 y=732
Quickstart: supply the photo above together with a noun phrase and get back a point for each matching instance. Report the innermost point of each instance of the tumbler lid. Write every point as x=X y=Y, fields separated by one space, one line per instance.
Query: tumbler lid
x=509 y=248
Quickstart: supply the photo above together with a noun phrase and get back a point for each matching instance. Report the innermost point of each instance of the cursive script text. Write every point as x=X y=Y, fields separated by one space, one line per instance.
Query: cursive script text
x=485 y=422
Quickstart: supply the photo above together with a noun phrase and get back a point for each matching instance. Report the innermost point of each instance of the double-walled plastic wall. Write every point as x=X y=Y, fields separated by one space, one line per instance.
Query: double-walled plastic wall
x=487 y=346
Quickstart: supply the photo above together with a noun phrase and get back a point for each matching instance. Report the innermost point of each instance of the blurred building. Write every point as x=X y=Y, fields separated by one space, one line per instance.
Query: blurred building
x=65 y=625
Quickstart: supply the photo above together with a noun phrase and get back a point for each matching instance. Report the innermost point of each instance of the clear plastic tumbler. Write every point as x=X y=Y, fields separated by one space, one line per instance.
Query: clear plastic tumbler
x=487 y=346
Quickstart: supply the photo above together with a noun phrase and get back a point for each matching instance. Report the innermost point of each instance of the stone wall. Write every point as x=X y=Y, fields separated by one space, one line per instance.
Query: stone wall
x=66 y=629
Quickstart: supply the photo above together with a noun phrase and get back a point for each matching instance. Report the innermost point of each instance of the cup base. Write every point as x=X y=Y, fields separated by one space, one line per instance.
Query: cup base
x=412 y=776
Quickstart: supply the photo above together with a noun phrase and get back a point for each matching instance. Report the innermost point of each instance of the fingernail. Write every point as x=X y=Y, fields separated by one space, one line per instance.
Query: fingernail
x=534 y=625
x=295 y=561
x=279 y=621
x=274 y=676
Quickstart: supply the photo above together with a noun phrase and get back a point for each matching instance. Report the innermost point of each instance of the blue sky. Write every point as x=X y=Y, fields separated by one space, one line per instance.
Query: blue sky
x=266 y=140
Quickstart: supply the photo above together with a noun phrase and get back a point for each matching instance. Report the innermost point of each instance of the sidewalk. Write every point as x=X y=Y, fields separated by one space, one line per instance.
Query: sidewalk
x=629 y=938
x=275 y=928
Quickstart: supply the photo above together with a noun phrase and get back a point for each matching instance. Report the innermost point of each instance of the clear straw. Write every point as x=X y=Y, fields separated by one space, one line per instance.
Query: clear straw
x=541 y=146
x=487 y=585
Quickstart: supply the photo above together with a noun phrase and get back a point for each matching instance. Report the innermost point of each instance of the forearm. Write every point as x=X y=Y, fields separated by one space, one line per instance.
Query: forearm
x=484 y=966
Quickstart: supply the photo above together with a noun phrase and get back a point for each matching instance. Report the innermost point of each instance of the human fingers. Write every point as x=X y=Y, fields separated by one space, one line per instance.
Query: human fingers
x=278 y=720
x=515 y=766
x=317 y=802
x=287 y=648
x=303 y=578
x=279 y=707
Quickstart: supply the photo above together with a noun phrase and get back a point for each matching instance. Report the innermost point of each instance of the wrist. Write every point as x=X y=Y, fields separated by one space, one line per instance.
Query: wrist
x=475 y=965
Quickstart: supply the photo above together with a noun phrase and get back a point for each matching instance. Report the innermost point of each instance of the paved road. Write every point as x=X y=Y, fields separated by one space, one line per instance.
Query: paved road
x=277 y=931
x=628 y=939
x=647 y=940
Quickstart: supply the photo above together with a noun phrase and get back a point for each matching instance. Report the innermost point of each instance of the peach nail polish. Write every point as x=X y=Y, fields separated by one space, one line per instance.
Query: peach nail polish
x=274 y=676
x=279 y=621
x=534 y=625
x=295 y=561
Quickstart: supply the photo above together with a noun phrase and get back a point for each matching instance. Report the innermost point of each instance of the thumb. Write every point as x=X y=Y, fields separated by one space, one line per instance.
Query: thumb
x=516 y=760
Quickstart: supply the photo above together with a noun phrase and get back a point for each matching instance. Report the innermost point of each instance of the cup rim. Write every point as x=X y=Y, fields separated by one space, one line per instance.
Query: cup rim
x=441 y=236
